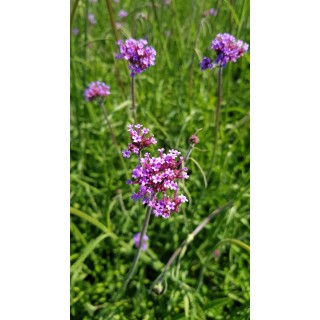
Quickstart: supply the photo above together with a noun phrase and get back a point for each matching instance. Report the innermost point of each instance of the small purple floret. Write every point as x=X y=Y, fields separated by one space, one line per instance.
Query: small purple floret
x=122 y=13
x=206 y=63
x=92 y=19
x=210 y=12
x=75 y=31
x=136 y=239
x=96 y=89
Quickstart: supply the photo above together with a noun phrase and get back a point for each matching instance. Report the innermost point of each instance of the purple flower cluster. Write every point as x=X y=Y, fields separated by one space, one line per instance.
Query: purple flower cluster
x=95 y=90
x=92 y=19
x=210 y=12
x=122 y=13
x=155 y=175
x=136 y=239
x=139 y=55
x=227 y=48
x=139 y=140
x=206 y=63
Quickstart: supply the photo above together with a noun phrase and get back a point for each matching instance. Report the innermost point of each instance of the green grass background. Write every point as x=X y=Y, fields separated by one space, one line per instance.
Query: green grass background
x=199 y=285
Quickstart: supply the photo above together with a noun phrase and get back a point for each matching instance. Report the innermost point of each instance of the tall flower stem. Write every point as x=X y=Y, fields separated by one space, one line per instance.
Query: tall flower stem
x=116 y=37
x=73 y=11
x=113 y=137
x=112 y=22
x=216 y=136
x=158 y=282
x=137 y=255
x=217 y=120
x=192 y=60
x=134 y=112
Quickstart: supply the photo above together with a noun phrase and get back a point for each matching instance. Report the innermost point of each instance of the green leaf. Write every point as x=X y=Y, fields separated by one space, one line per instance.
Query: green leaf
x=87 y=250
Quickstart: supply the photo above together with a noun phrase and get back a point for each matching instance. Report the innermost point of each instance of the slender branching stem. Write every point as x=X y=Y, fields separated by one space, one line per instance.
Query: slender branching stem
x=189 y=239
x=137 y=255
x=134 y=112
x=216 y=135
x=113 y=137
x=217 y=121
x=192 y=59
x=112 y=22
x=73 y=11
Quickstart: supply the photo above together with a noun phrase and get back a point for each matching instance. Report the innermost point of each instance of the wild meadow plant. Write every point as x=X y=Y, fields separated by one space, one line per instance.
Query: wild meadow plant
x=140 y=58
x=227 y=49
x=156 y=177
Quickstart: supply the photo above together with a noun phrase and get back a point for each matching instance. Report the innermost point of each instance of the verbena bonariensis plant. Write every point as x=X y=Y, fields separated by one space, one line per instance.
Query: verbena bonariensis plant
x=155 y=176
x=227 y=49
x=98 y=91
x=140 y=58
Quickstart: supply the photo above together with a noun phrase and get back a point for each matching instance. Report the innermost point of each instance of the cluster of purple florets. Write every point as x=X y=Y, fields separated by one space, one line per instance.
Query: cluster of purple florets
x=139 y=55
x=136 y=240
x=227 y=48
x=96 y=89
x=139 y=140
x=206 y=63
x=156 y=175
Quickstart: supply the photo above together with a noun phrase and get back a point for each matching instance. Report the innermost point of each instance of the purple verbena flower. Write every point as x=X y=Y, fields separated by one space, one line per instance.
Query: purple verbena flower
x=139 y=56
x=206 y=63
x=139 y=140
x=122 y=13
x=210 y=12
x=166 y=2
x=136 y=239
x=228 y=48
x=116 y=1
x=92 y=19
x=93 y=1
x=157 y=175
x=118 y=25
x=96 y=89
x=75 y=31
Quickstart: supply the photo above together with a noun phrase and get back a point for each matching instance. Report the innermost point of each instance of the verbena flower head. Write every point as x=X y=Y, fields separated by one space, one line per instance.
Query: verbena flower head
x=136 y=239
x=210 y=12
x=118 y=25
x=138 y=54
x=227 y=49
x=122 y=13
x=157 y=176
x=92 y=19
x=95 y=90
x=139 y=140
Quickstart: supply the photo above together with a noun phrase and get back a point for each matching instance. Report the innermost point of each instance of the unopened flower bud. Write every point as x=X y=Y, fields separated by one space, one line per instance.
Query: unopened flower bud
x=194 y=139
